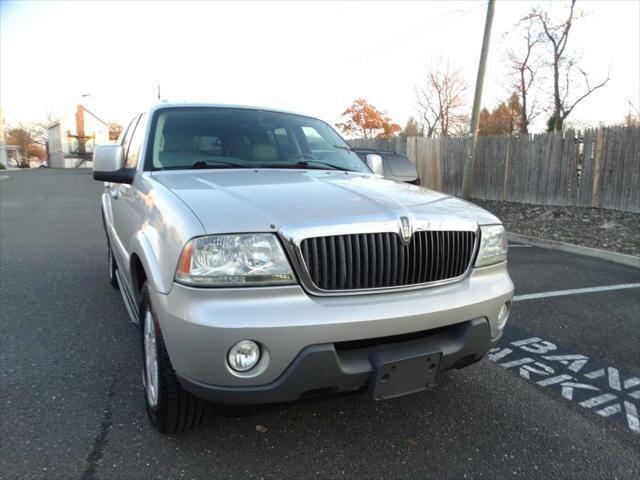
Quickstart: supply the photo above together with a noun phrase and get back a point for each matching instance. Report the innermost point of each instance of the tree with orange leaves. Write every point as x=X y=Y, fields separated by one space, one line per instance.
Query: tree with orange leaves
x=504 y=119
x=365 y=120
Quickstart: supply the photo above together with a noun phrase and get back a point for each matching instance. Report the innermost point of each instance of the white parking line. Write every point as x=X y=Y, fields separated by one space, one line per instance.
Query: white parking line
x=519 y=246
x=575 y=291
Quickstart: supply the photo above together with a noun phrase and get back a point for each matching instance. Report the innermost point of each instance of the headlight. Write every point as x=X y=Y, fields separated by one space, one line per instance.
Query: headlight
x=228 y=260
x=493 y=245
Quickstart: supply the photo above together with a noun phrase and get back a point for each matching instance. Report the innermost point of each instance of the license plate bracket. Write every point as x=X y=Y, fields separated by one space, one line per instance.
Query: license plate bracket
x=398 y=373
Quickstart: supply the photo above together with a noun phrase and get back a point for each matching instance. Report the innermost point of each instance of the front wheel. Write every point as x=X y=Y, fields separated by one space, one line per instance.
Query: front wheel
x=171 y=408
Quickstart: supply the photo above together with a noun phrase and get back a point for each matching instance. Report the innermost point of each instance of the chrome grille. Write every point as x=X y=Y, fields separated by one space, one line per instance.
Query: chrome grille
x=381 y=260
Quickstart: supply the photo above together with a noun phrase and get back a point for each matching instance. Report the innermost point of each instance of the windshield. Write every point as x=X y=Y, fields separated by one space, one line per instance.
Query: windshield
x=212 y=137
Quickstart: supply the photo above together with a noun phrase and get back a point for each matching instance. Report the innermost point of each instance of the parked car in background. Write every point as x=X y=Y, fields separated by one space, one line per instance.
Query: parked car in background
x=395 y=165
x=266 y=263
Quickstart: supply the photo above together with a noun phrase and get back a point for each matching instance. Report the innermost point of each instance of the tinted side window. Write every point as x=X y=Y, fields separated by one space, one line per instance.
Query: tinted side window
x=400 y=166
x=133 y=152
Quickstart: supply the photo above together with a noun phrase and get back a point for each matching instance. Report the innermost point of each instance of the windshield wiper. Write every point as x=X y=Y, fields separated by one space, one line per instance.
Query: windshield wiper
x=305 y=164
x=217 y=164
x=343 y=147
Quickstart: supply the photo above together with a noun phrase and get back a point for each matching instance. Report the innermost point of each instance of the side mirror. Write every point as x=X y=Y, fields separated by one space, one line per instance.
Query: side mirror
x=374 y=162
x=108 y=165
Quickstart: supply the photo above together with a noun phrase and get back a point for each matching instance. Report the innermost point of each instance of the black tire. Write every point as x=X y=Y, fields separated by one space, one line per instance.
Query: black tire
x=176 y=410
x=112 y=267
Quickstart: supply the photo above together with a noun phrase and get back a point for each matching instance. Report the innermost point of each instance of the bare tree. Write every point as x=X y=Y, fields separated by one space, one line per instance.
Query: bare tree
x=564 y=66
x=632 y=118
x=39 y=131
x=523 y=69
x=441 y=100
x=29 y=141
x=461 y=126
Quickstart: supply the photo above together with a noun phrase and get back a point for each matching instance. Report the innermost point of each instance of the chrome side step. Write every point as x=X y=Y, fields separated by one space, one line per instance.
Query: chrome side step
x=129 y=303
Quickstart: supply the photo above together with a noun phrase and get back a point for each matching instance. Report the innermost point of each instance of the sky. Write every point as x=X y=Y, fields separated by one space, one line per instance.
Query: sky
x=309 y=57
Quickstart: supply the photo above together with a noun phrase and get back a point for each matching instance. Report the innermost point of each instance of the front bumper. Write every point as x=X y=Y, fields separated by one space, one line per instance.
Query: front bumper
x=335 y=368
x=199 y=325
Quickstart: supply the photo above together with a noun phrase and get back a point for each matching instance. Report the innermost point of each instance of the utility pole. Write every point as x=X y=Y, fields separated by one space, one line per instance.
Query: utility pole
x=467 y=179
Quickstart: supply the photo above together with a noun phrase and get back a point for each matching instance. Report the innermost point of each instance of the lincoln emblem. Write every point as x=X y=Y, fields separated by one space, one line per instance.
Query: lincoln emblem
x=405 y=229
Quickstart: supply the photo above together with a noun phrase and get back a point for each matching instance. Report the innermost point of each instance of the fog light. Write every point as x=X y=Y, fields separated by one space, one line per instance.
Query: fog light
x=503 y=315
x=243 y=355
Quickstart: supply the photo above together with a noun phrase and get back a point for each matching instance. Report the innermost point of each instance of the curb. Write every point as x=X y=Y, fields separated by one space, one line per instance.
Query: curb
x=621 y=258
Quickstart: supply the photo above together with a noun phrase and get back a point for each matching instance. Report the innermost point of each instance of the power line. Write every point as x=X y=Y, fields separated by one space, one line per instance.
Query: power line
x=392 y=42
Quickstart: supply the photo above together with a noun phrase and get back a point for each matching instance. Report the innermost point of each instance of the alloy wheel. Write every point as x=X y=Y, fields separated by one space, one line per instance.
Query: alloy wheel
x=151 y=384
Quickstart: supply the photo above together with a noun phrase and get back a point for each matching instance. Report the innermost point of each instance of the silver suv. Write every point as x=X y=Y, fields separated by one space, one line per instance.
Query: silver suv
x=266 y=262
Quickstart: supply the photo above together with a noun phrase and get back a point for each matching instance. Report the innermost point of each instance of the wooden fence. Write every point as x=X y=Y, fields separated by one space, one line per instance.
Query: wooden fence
x=596 y=168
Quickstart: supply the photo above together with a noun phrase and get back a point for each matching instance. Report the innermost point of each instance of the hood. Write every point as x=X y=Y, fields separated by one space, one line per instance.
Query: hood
x=230 y=201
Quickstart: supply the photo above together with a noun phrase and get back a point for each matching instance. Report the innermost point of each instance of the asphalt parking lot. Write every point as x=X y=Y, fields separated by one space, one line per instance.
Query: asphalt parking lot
x=559 y=399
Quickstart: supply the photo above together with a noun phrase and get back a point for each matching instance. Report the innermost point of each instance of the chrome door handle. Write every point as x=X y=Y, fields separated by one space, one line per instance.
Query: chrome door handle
x=115 y=193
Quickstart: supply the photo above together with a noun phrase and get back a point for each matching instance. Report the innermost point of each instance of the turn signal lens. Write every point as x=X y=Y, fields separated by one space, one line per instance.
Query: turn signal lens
x=503 y=315
x=185 y=259
x=493 y=245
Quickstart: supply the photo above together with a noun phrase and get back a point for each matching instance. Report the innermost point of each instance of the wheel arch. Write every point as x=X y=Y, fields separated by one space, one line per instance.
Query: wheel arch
x=144 y=266
x=138 y=276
